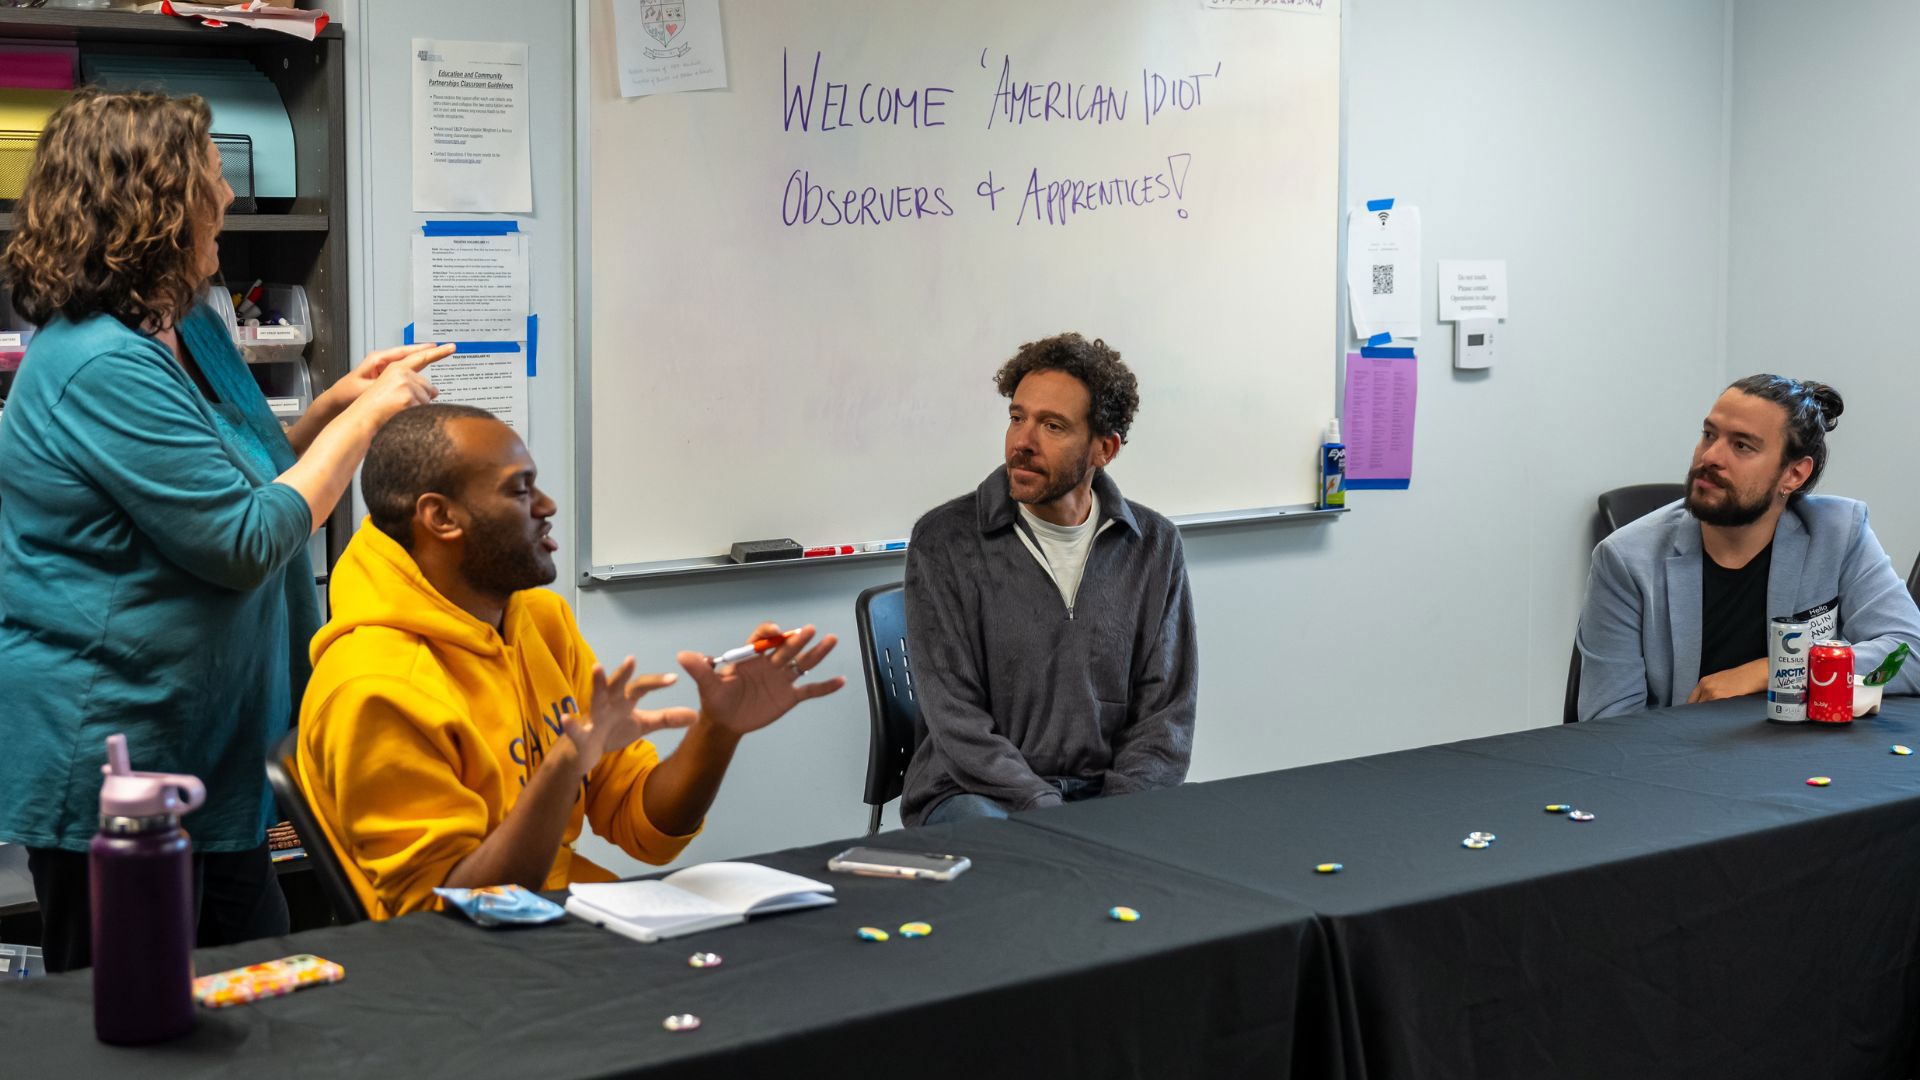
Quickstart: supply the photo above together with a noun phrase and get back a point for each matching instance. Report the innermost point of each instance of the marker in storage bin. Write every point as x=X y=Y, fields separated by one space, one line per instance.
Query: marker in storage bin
x=282 y=330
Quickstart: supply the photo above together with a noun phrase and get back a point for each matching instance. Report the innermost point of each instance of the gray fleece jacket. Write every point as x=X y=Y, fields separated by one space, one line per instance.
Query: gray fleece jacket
x=1017 y=691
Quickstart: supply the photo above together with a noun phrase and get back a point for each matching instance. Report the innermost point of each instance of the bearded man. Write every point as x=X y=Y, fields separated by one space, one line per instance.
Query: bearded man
x=1049 y=620
x=1678 y=602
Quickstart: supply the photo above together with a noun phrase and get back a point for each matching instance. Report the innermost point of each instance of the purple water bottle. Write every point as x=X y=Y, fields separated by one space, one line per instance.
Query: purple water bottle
x=141 y=864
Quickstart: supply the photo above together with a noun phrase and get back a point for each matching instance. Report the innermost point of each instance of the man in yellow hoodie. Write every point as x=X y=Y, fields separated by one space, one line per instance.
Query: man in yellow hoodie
x=457 y=728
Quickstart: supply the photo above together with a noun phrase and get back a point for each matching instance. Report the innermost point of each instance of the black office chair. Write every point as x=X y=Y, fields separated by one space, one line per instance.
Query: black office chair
x=1617 y=507
x=326 y=863
x=1570 y=709
x=1621 y=505
x=881 y=614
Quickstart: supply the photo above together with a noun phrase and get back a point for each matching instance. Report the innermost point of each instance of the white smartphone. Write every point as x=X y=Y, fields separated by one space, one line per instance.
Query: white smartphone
x=878 y=862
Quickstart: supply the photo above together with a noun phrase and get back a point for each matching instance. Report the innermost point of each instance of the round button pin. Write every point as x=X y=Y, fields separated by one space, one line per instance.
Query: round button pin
x=872 y=933
x=681 y=1022
x=1487 y=836
x=915 y=929
x=704 y=960
x=1579 y=815
x=1819 y=781
x=1903 y=751
x=1123 y=914
x=1329 y=868
x=1476 y=845
x=1558 y=808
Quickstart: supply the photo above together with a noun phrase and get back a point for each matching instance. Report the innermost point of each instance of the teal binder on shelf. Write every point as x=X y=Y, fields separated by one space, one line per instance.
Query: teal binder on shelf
x=244 y=102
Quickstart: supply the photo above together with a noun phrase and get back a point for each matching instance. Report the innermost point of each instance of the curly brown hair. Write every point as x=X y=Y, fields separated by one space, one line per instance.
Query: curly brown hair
x=1113 y=391
x=119 y=192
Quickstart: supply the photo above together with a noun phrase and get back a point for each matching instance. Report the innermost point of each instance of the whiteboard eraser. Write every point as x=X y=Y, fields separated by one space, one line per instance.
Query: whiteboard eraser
x=746 y=551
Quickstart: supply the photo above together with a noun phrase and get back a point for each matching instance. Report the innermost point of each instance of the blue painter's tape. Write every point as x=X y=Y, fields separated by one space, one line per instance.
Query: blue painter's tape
x=1379 y=204
x=406 y=338
x=470 y=228
x=1379 y=339
x=533 y=345
x=1376 y=485
x=1400 y=353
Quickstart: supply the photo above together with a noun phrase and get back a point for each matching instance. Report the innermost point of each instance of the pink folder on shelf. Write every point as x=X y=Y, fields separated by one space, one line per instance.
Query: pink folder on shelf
x=20 y=70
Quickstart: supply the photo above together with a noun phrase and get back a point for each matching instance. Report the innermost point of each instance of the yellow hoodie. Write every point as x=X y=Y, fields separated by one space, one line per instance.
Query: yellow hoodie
x=422 y=724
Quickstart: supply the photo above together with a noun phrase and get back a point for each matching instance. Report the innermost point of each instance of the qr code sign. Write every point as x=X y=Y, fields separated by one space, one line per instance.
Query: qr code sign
x=1383 y=279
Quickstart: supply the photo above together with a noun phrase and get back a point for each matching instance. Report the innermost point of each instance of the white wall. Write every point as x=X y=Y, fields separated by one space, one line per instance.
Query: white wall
x=1825 y=230
x=1582 y=143
x=379 y=97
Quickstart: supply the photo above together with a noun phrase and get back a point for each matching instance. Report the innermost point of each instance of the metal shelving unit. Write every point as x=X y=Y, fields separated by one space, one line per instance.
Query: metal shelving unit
x=299 y=241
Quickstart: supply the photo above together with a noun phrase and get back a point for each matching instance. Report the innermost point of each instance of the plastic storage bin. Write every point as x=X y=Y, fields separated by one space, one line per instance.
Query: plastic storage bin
x=13 y=349
x=288 y=387
x=267 y=341
x=20 y=962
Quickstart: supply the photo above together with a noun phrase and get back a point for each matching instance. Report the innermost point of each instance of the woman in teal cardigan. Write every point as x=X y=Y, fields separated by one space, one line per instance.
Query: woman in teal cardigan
x=154 y=517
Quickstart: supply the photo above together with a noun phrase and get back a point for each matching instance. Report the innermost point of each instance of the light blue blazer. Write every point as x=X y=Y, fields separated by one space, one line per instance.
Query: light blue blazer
x=1639 y=637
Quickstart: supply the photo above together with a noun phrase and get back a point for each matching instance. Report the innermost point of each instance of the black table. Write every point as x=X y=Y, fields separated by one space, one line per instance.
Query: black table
x=1023 y=975
x=1718 y=918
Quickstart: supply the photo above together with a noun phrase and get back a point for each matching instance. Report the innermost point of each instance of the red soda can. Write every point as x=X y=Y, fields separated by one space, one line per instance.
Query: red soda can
x=1830 y=682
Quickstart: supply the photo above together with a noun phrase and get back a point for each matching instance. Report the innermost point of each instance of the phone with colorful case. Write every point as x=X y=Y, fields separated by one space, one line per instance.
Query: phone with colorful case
x=271 y=979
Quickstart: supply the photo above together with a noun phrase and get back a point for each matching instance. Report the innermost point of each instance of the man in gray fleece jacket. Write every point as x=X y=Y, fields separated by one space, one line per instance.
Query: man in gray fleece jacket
x=1049 y=619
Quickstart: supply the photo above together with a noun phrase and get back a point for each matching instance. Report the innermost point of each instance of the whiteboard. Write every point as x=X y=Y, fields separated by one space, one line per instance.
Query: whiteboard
x=795 y=290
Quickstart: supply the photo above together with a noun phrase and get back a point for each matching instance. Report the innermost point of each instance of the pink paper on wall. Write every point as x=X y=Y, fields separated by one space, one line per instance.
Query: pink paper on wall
x=1377 y=422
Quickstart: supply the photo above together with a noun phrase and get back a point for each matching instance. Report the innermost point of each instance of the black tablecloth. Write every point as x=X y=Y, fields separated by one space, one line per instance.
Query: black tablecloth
x=1718 y=917
x=1023 y=975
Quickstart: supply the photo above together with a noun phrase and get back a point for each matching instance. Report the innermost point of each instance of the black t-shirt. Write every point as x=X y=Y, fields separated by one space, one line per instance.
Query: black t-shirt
x=1733 y=613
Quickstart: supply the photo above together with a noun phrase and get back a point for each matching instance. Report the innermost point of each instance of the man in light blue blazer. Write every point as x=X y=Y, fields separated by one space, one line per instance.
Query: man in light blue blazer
x=1678 y=601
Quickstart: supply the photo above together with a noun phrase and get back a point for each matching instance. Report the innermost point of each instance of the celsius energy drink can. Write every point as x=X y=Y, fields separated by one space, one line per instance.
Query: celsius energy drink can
x=1788 y=639
x=1830 y=683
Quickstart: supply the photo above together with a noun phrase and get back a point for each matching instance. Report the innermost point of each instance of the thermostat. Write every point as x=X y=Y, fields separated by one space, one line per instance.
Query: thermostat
x=1473 y=343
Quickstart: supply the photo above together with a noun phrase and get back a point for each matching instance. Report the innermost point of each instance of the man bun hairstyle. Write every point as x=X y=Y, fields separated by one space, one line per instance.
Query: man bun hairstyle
x=1813 y=409
x=1113 y=392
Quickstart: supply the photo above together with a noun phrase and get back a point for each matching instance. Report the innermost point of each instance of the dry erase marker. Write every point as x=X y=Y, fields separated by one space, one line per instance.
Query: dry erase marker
x=748 y=651
x=884 y=545
x=830 y=549
x=249 y=305
x=243 y=302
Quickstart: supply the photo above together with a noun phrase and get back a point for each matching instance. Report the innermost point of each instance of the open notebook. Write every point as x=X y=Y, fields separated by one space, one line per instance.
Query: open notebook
x=695 y=899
